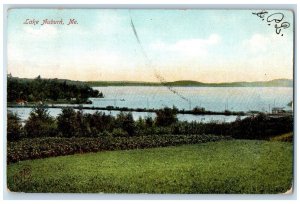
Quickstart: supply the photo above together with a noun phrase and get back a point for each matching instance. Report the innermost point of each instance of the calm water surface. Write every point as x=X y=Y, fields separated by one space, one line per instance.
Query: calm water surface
x=211 y=98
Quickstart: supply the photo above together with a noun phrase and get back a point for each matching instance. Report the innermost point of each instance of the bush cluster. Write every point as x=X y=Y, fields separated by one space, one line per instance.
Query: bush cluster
x=38 y=148
x=71 y=123
x=77 y=132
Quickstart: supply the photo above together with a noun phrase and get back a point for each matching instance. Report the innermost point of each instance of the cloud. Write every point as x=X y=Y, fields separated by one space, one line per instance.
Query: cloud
x=269 y=47
x=270 y=55
x=189 y=47
x=258 y=43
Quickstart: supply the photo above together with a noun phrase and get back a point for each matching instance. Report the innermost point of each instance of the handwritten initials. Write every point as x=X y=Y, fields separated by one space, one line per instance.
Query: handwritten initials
x=274 y=18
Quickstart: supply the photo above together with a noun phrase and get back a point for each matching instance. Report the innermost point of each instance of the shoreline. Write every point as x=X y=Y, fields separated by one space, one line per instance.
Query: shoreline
x=112 y=108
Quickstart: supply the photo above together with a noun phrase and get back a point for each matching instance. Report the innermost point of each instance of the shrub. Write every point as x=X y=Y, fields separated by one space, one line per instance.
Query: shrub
x=71 y=123
x=287 y=137
x=149 y=122
x=261 y=127
x=104 y=134
x=119 y=132
x=14 y=127
x=81 y=125
x=125 y=121
x=38 y=148
x=66 y=122
x=166 y=117
x=99 y=122
x=40 y=124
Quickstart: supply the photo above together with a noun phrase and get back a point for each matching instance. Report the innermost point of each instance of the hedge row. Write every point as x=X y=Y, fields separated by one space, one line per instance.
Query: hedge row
x=37 y=148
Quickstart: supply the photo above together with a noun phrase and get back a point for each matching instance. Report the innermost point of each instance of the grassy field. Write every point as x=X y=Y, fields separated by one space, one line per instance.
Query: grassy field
x=237 y=166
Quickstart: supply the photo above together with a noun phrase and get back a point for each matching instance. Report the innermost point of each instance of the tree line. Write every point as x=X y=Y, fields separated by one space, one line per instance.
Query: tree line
x=38 y=89
x=70 y=123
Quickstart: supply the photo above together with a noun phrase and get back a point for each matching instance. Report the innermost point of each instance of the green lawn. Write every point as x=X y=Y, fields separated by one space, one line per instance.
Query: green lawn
x=238 y=166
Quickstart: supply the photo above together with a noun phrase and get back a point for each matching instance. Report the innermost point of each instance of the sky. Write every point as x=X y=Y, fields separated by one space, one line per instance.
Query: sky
x=201 y=45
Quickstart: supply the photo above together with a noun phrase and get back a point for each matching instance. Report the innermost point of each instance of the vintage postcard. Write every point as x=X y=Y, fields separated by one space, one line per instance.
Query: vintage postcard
x=156 y=101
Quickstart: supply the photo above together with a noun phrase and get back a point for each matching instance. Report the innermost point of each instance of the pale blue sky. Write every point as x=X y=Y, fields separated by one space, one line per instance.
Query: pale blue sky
x=202 y=45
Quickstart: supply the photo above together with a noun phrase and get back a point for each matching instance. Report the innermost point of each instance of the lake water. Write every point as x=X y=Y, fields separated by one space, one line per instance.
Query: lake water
x=211 y=98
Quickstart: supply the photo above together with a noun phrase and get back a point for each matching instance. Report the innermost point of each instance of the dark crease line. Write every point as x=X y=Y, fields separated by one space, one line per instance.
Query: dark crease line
x=136 y=35
x=148 y=62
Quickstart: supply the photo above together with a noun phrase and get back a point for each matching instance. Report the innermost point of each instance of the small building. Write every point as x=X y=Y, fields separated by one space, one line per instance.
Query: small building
x=21 y=102
x=278 y=110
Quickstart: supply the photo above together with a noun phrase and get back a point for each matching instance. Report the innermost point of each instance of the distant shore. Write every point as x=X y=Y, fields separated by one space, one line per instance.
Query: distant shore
x=189 y=83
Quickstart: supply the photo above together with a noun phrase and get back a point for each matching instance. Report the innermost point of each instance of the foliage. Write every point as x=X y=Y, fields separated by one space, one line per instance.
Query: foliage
x=40 y=124
x=119 y=132
x=67 y=122
x=38 y=89
x=166 y=116
x=99 y=123
x=14 y=127
x=71 y=123
x=287 y=137
x=38 y=148
x=232 y=167
x=198 y=110
x=149 y=122
x=260 y=127
x=126 y=122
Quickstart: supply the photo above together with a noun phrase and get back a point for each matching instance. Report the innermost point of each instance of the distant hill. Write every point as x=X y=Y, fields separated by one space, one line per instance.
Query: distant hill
x=182 y=83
